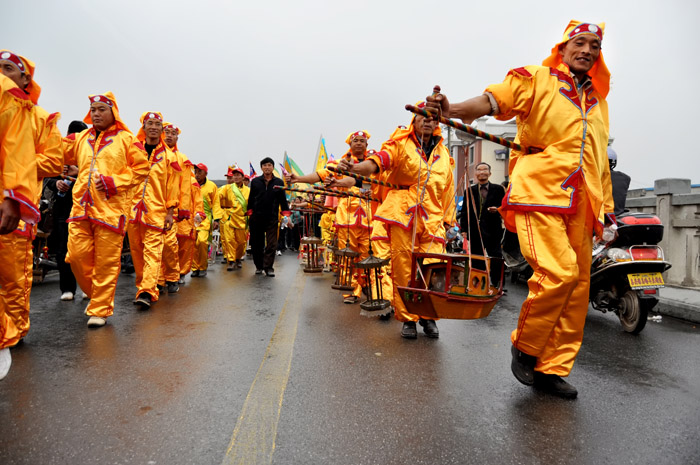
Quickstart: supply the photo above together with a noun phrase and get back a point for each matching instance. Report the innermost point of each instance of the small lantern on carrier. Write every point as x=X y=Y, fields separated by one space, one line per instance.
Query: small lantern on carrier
x=313 y=262
x=370 y=275
x=345 y=263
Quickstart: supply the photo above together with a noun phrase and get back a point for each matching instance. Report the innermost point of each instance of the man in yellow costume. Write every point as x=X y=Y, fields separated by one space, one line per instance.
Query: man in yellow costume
x=222 y=205
x=187 y=228
x=200 y=260
x=233 y=217
x=170 y=266
x=557 y=198
x=352 y=217
x=153 y=206
x=49 y=159
x=17 y=193
x=414 y=157
x=111 y=163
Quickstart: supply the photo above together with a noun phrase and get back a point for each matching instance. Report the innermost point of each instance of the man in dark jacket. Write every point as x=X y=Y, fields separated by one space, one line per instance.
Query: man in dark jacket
x=264 y=206
x=485 y=197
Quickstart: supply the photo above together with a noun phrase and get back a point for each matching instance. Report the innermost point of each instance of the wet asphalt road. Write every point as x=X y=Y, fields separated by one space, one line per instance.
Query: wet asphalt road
x=238 y=368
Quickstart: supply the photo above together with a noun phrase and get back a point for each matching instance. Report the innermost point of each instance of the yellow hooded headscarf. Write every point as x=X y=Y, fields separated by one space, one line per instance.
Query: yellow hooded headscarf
x=599 y=73
x=107 y=99
x=145 y=116
x=26 y=67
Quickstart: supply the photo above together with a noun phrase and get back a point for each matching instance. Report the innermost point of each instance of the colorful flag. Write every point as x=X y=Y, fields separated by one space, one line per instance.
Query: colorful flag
x=290 y=166
x=252 y=171
x=321 y=155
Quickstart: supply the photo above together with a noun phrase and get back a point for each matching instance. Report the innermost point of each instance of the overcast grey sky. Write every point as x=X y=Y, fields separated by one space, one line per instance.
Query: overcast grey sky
x=245 y=80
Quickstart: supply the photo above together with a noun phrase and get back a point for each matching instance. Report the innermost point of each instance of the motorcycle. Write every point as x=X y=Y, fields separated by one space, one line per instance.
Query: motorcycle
x=626 y=273
x=516 y=264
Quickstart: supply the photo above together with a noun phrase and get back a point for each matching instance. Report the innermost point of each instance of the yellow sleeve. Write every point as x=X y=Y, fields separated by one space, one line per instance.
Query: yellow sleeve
x=17 y=158
x=48 y=144
x=216 y=210
x=172 y=189
x=134 y=171
x=515 y=94
x=387 y=159
x=184 y=208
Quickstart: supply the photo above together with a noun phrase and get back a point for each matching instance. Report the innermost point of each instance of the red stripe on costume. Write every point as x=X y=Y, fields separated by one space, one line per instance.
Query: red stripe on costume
x=110 y=187
x=53 y=117
x=18 y=93
x=28 y=211
x=521 y=71
x=139 y=145
x=176 y=166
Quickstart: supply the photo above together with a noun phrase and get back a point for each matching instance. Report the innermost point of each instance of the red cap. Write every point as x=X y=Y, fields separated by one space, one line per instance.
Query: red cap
x=202 y=167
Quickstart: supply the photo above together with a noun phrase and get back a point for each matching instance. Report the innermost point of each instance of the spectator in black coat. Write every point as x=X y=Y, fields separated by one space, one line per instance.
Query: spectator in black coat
x=482 y=202
x=264 y=205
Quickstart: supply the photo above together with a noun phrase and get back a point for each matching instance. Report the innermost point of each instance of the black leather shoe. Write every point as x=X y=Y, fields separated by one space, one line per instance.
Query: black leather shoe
x=202 y=273
x=409 y=330
x=270 y=273
x=195 y=274
x=523 y=366
x=143 y=301
x=259 y=271
x=429 y=328
x=173 y=287
x=161 y=289
x=555 y=385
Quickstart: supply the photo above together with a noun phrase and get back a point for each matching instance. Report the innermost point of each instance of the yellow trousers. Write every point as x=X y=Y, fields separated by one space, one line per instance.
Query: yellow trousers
x=146 y=253
x=227 y=232
x=185 y=251
x=558 y=248
x=200 y=258
x=401 y=261
x=16 y=276
x=239 y=238
x=94 y=254
x=170 y=266
x=381 y=248
x=358 y=241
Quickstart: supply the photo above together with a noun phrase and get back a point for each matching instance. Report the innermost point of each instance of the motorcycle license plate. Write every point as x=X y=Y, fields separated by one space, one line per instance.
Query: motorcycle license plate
x=645 y=280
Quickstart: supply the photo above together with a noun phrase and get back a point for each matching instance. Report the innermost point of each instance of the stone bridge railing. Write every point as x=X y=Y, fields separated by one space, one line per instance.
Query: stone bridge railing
x=679 y=210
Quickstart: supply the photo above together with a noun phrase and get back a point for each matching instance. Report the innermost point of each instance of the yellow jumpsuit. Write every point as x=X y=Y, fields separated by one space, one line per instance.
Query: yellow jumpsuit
x=116 y=159
x=203 y=239
x=222 y=205
x=352 y=222
x=18 y=246
x=186 y=229
x=170 y=266
x=422 y=208
x=555 y=201
x=230 y=210
x=158 y=192
x=18 y=180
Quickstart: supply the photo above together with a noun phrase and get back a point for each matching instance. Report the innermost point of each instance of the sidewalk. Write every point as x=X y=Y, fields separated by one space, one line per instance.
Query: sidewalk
x=679 y=302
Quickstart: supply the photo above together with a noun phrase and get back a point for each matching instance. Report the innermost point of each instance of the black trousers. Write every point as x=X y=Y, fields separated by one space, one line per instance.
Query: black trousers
x=263 y=241
x=66 y=278
x=493 y=249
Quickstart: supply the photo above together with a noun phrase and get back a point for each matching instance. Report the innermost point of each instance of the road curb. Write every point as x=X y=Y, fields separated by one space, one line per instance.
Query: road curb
x=678 y=309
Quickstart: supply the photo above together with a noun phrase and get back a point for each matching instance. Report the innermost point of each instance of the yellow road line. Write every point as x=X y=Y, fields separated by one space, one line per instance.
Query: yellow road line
x=253 y=440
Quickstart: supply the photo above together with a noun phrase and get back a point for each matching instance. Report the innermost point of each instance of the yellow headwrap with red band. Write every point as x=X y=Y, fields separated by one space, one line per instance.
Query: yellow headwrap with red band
x=26 y=67
x=353 y=135
x=107 y=99
x=167 y=125
x=599 y=73
x=145 y=116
